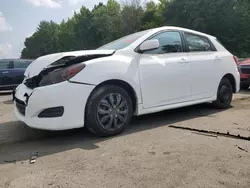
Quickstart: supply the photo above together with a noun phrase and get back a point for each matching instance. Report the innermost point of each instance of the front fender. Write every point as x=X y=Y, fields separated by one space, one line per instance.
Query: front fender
x=116 y=67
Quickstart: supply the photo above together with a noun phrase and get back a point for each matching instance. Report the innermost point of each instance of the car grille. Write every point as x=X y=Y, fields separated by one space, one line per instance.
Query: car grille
x=21 y=107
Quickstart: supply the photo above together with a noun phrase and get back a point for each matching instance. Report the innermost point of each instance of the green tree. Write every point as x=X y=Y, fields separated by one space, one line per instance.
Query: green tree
x=228 y=20
x=66 y=35
x=131 y=15
x=83 y=36
x=153 y=14
x=43 y=41
x=106 y=22
x=220 y=18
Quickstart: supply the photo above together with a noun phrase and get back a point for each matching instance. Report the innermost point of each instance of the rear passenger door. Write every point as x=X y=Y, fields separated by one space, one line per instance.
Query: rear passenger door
x=204 y=62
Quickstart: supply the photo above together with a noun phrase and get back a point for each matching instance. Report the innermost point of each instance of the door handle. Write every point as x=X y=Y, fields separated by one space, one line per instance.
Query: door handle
x=183 y=60
x=217 y=58
x=5 y=72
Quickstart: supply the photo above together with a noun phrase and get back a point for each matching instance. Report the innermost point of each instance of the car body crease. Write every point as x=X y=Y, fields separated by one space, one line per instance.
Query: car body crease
x=82 y=83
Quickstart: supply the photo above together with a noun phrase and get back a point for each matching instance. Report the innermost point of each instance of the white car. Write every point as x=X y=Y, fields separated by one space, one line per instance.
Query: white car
x=146 y=72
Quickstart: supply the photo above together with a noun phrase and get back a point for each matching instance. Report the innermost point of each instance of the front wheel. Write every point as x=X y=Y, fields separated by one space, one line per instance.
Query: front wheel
x=224 y=94
x=108 y=111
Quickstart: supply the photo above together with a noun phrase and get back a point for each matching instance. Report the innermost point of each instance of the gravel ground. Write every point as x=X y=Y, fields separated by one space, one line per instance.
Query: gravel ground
x=149 y=154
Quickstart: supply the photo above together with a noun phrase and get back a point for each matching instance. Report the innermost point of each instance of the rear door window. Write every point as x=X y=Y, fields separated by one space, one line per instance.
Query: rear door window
x=197 y=43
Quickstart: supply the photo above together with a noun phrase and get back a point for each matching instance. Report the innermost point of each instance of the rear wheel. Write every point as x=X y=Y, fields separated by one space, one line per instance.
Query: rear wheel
x=108 y=111
x=244 y=86
x=224 y=94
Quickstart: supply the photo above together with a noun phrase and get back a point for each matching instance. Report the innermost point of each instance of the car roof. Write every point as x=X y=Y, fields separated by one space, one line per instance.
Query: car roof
x=183 y=29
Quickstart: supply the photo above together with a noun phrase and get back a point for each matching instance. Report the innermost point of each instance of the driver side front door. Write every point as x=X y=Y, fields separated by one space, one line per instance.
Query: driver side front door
x=165 y=72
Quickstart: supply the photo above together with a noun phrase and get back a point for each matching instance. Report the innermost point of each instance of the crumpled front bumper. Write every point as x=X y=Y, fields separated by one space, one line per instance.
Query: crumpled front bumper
x=71 y=96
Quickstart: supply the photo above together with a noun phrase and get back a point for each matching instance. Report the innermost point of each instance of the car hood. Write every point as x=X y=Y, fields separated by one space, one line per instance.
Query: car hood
x=43 y=62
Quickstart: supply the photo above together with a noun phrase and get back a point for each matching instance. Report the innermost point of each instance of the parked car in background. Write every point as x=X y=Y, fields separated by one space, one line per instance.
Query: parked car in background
x=244 y=69
x=143 y=73
x=12 y=72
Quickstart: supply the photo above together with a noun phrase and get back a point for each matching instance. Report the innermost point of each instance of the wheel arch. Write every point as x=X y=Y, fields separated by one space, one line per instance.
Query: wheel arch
x=232 y=80
x=123 y=84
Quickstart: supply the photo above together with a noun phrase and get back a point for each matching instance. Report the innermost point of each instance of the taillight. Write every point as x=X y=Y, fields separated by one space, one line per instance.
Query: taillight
x=236 y=60
x=61 y=75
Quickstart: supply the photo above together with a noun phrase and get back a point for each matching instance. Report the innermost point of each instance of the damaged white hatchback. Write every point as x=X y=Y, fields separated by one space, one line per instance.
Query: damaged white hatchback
x=146 y=72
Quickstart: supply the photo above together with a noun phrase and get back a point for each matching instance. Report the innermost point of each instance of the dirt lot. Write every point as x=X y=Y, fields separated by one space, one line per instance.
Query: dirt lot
x=150 y=153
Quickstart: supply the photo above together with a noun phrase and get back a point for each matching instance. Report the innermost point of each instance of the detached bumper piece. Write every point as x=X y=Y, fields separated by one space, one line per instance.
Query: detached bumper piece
x=52 y=112
x=21 y=107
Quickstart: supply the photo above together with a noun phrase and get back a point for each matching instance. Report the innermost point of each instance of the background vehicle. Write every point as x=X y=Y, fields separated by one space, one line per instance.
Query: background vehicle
x=244 y=69
x=12 y=72
x=146 y=72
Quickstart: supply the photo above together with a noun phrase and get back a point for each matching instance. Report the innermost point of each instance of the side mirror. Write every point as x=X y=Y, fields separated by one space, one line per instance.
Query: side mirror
x=149 y=45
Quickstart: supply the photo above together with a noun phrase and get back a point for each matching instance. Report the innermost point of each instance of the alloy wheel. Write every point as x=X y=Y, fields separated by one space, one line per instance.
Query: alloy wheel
x=224 y=93
x=112 y=112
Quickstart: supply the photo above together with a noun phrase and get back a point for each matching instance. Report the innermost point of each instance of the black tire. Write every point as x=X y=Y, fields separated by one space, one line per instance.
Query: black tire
x=224 y=95
x=244 y=86
x=92 y=119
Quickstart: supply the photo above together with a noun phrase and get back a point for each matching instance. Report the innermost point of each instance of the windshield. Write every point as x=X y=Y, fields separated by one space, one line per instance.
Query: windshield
x=123 y=42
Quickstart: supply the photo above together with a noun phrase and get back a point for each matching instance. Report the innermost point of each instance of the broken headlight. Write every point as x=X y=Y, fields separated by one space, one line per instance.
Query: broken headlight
x=60 y=75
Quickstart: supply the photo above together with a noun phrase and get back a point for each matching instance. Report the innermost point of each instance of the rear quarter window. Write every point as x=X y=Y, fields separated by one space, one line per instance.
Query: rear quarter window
x=196 y=43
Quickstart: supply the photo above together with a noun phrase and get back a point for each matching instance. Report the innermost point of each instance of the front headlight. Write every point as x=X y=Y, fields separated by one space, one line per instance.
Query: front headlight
x=61 y=75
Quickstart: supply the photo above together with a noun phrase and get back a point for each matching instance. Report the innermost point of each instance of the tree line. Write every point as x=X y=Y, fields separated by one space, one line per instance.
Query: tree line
x=228 y=20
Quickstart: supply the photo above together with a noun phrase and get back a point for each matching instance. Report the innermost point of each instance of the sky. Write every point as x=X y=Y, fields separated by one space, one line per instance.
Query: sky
x=20 y=18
